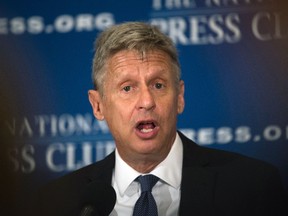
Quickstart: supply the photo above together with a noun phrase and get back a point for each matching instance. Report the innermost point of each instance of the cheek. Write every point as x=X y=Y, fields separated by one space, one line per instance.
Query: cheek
x=169 y=108
x=117 y=114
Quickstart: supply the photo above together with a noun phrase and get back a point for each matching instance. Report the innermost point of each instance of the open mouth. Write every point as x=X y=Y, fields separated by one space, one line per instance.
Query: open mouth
x=146 y=127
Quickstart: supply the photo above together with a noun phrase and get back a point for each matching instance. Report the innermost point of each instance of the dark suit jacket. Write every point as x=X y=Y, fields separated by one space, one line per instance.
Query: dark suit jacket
x=213 y=183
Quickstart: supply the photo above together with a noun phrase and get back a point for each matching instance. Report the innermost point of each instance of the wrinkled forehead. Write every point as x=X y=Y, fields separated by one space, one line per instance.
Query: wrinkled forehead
x=130 y=58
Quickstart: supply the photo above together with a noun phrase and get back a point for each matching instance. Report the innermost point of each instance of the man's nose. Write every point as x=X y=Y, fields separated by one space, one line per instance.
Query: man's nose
x=146 y=99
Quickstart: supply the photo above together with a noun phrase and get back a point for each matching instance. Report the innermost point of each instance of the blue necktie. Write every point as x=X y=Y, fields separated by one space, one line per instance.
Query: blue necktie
x=146 y=205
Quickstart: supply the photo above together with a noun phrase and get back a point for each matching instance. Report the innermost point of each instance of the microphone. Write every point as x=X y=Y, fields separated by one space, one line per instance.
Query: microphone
x=88 y=210
x=98 y=200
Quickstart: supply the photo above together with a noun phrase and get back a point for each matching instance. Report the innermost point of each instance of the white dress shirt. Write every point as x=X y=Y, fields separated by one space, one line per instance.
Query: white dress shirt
x=166 y=192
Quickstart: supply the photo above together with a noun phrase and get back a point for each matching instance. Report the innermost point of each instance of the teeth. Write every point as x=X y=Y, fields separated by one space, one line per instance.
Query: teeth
x=146 y=130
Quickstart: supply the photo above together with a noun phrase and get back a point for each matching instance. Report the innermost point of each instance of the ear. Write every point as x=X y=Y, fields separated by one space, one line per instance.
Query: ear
x=96 y=103
x=181 y=100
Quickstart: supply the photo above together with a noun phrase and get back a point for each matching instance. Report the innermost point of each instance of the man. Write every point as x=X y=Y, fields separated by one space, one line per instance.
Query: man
x=138 y=91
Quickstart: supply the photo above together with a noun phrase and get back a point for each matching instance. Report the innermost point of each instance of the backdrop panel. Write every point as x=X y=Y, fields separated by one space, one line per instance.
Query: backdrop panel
x=234 y=57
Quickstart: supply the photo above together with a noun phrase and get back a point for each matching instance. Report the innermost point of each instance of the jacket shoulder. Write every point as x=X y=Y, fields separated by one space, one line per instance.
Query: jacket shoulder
x=64 y=196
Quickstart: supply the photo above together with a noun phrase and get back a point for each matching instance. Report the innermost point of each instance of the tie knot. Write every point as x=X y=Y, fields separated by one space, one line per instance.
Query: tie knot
x=147 y=182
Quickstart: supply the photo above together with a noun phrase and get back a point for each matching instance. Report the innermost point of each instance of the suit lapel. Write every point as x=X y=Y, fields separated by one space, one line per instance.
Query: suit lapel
x=104 y=170
x=198 y=182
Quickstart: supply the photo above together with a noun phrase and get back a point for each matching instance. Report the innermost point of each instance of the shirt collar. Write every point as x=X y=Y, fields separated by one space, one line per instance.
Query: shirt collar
x=169 y=170
x=123 y=173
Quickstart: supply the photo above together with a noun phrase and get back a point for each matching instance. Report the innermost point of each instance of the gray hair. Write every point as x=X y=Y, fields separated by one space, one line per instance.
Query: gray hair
x=137 y=36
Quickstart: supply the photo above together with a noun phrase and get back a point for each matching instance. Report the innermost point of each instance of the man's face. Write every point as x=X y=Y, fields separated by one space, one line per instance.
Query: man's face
x=140 y=104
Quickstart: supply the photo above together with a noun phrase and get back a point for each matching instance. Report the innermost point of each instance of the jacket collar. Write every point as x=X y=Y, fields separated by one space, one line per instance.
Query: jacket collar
x=103 y=172
x=198 y=181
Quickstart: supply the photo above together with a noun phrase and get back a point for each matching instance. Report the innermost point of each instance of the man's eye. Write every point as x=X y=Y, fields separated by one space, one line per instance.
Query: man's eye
x=127 y=88
x=158 y=85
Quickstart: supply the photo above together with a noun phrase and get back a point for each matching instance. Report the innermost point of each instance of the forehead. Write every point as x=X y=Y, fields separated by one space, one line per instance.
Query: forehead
x=126 y=60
